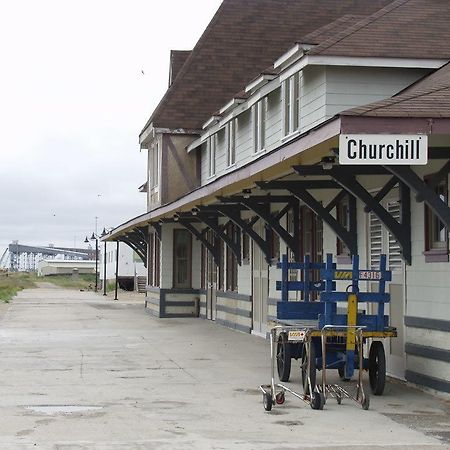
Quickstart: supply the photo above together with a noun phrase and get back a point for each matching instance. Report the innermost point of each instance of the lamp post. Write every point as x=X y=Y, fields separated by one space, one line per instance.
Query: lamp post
x=86 y=241
x=95 y=238
x=104 y=264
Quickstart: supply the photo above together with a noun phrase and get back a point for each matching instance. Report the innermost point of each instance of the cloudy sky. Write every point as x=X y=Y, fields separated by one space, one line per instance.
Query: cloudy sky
x=73 y=100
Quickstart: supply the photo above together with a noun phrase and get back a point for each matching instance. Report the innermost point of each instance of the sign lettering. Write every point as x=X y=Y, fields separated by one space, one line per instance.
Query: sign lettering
x=393 y=149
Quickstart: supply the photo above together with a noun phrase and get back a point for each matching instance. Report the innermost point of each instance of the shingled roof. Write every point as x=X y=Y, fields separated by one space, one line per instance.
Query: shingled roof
x=331 y=29
x=177 y=60
x=242 y=39
x=429 y=97
x=402 y=29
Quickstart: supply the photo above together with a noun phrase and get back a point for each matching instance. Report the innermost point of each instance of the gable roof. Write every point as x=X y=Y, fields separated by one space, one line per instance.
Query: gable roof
x=402 y=29
x=243 y=38
x=429 y=97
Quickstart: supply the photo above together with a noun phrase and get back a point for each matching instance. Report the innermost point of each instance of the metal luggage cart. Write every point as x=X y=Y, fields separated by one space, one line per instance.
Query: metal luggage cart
x=274 y=393
x=333 y=340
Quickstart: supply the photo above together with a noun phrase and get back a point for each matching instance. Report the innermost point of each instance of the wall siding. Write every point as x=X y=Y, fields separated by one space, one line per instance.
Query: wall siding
x=347 y=87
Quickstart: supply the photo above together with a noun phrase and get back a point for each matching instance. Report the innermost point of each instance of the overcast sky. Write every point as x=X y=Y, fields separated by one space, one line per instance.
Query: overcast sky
x=73 y=100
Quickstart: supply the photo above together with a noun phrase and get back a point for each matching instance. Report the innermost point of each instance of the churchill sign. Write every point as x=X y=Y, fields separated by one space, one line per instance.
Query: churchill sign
x=387 y=149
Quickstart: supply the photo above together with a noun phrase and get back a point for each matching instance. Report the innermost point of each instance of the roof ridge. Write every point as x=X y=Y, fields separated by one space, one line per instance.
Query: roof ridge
x=359 y=25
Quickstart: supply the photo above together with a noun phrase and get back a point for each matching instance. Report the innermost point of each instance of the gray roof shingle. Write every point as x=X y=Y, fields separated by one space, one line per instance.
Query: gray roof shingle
x=402 y=29
x=241 y=40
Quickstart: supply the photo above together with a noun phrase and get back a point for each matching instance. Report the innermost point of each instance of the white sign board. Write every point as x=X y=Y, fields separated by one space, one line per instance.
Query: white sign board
x=389 y=149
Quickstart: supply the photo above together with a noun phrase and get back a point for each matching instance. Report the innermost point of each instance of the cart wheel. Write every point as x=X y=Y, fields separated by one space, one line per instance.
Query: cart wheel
x=267 y=401
x=317 y=400
x=366 y=402
x=280 y=398
x=312 y=371
x=377 y=367
x=339 y=398
x=283 y=357
x=341 y=372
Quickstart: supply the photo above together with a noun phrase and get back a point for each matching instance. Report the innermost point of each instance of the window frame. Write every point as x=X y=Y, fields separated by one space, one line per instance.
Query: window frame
x=230 y=139
x=291 y=95
x=433 y=252
x=343 y=218
x=188 y=283
x=231 y=272
x=154 y=261
x=211 y=148
x=260 y=120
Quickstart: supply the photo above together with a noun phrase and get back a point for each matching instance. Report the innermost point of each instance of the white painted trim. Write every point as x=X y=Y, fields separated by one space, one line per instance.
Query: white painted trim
x=259 y=82
x=147 y=132
x=211 y=121
x=231 y=104
x=195 y=144
x=357 y=61
x=287 y=56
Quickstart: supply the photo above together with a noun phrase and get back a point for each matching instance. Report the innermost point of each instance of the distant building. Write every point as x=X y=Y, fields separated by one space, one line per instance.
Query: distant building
x=48 y=267
x=25 y=258
x=132 y=272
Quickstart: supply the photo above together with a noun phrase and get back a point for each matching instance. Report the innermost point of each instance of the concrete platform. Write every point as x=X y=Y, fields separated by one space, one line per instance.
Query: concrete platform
x=80 y=371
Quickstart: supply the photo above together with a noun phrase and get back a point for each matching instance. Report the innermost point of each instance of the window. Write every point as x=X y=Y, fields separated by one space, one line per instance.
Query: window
x=245 y=248
x=260 y=116
x=154 y=168
x=231 y=269
x=182 y=250
x=231 y=142
x=311 y=237
x=436 y=234
x=342 y=217
x=291 y=104
x=204 y=265
x=274 y=245
x=211 y=145
x=154 y=260
x=154 y=165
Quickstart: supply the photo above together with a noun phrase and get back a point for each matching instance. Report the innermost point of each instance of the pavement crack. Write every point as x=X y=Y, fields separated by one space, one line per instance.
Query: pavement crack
x=183 y=369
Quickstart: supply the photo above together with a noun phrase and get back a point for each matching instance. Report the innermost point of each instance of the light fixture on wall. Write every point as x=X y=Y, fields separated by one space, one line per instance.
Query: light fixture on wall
x=195 y=211
x=327 y=162
x=176 y=217
x=161 y=221
x=246 y=193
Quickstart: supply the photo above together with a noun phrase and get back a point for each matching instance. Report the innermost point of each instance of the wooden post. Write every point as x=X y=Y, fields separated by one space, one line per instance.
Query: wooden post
x=117 y=270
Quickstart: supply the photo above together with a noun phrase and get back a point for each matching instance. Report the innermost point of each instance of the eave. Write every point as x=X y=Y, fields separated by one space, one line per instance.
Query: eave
x=280 y=161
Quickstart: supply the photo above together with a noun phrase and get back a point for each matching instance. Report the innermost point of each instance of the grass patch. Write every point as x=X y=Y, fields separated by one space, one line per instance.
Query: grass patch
x=83 y=281
x=12 y=283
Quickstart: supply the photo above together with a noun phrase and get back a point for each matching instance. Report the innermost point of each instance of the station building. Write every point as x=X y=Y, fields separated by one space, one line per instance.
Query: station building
x=244 y=166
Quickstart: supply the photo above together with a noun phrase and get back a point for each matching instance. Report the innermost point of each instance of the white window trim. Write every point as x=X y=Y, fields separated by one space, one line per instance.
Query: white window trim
x=259 y=126
x=291 y=111
x=211 y=148
x=230 y=142
x=154 y=174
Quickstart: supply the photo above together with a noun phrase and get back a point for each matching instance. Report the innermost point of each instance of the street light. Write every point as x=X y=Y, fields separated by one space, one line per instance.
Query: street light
x=104 y=233
x=95 y=238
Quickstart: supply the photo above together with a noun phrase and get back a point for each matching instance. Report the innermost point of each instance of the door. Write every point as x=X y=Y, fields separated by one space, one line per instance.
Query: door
x=260 y=288
x=211 y=281
x=311 y=237
x=382 y=242
x=211 y=288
